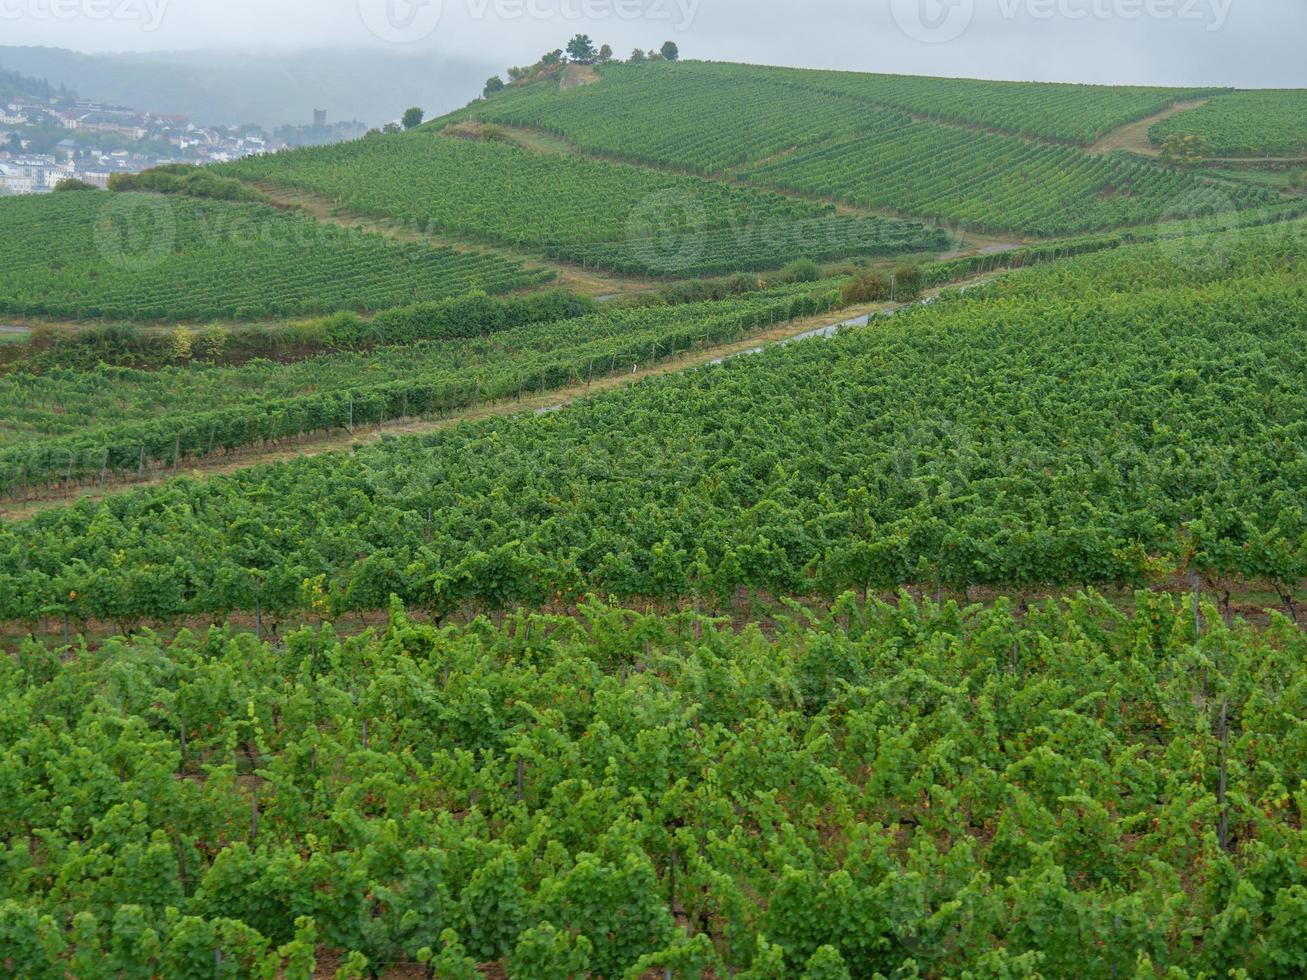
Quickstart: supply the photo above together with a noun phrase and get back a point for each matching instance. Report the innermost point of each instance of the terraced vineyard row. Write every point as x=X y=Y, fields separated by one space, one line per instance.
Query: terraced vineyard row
x=995 y=182
x=763 y=246
x=980 y=441
x=574 y=208
x=80 y=425
x=145 y=257
x=1260 y=123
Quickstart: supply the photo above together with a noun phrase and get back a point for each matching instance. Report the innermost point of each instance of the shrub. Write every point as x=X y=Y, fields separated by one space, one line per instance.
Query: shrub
x=182 y=345
x=907 y=283
x=872 y=286
x=800 y=270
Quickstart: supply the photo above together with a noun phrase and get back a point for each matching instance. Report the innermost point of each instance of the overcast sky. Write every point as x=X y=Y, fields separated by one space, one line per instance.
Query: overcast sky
x=1253 y=43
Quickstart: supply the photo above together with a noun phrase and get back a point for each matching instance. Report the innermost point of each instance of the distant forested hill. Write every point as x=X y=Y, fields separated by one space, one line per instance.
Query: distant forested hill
x=14 y=84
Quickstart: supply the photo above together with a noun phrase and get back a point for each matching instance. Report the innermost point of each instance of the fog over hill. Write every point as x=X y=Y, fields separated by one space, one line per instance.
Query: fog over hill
x=1243 y=43
x=232 y=87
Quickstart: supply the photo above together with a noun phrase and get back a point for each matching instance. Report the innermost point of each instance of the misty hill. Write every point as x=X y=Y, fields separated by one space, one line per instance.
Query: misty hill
x=230 y=88
x=14 y=85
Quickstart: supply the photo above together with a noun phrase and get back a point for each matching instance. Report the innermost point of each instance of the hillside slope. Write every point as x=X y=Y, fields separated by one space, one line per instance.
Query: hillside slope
x=990 y=156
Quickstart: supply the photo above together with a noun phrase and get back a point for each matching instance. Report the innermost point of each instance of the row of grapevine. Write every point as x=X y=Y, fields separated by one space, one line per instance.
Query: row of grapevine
x=891 y=790
x=982 y=440
x=70 y=426
x=1192 y=241
x=146 y=257
x=759 y=247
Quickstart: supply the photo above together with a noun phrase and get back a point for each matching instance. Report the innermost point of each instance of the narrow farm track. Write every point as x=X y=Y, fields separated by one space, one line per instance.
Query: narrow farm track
x=544 y=402
x=1134 y=136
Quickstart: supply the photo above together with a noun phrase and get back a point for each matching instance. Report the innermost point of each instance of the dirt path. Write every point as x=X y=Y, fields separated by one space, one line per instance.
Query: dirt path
x=548 y=401
x=578 y=76
x=1134 y=137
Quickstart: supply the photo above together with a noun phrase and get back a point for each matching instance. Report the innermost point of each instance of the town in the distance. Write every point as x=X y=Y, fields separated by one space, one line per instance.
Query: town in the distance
x=49 y=135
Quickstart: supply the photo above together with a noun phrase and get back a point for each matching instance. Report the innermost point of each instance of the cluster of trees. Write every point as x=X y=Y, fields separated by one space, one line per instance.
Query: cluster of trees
x=580 y=50
x=1182 y=148
x=901 y=285
x=184 y=178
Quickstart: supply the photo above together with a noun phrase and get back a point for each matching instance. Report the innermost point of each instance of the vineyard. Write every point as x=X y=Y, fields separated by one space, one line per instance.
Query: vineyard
x=980 y=441
x=586 y=211
x=1076 y=114
x=851 y=138
x=995 y=182
x=673 y=116
x=1261 y=123
x=71 y=425
x=144 y=257
x=758 y=247
x=369 y=610
x=895 y=790
x=708 y=117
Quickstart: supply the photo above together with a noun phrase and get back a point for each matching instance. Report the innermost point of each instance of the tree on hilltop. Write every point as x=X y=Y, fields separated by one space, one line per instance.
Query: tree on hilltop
x=670 y=51
x=581 y=49
x=605 y=54
x=493 y=84
x=413 y=118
